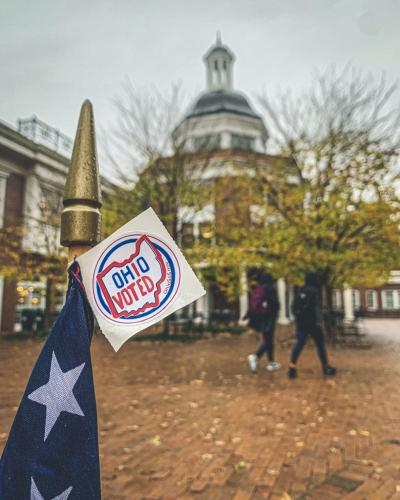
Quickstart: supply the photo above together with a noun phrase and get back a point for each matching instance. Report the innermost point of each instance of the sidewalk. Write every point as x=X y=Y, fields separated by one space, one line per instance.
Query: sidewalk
x=189 y=421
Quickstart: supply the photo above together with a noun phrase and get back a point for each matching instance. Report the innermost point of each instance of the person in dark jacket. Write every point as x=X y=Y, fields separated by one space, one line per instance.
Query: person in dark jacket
x=307 y=310
x=264 y=308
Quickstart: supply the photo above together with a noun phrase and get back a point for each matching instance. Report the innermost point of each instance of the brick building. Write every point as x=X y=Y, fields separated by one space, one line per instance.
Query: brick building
x=34 y=162
x=372 y=302
x=222 y=120
x=33 y=166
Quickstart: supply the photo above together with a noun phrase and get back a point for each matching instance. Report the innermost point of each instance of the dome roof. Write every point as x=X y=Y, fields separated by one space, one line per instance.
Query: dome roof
x=220 y=101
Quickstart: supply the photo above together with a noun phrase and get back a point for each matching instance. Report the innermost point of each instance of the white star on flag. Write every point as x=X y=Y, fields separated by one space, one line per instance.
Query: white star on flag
x=57 y=395
x=36 y=495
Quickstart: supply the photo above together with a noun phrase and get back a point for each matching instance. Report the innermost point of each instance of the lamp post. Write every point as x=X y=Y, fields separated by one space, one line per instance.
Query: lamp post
x=81 y=217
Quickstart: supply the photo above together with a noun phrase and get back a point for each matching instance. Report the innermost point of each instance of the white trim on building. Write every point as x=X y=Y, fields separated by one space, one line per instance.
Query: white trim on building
x=282 y=297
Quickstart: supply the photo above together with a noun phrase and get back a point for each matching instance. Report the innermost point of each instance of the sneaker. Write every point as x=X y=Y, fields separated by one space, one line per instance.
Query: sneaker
x=292 y=372
x=329 y=370
x=272 y=366
x=252 y=360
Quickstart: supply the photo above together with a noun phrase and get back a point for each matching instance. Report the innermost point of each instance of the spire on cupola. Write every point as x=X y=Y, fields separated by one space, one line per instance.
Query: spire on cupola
x=219 y=66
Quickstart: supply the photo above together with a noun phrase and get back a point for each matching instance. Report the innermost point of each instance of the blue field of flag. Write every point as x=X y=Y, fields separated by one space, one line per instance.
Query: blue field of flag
x=52 y=450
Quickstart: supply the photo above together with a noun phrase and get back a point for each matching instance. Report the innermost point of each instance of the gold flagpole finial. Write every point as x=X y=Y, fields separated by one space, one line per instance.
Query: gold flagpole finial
x=81 y=218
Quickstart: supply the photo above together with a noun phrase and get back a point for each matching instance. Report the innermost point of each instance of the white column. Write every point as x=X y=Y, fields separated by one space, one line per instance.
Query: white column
x=291 y=297
x=244 y=297
x=396 y=299
x=348 y=304
x=202 y=309
x=282 y=319
x=225 y=140
x=33 y=239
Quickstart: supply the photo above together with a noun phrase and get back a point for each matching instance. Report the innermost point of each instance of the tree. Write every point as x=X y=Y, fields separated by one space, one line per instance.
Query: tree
x=30 y=248
x=45 y=258
x=235 y=248
x=338 y=210
x=153 y=164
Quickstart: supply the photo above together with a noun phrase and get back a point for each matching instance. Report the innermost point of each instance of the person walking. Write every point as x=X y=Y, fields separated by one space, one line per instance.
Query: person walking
x=307 y=310
x=262 y=314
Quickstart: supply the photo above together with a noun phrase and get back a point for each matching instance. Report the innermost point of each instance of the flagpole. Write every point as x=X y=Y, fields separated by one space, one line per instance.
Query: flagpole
x=81 y=216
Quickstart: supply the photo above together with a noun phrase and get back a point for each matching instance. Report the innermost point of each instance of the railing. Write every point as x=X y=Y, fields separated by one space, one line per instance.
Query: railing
x=41 y=133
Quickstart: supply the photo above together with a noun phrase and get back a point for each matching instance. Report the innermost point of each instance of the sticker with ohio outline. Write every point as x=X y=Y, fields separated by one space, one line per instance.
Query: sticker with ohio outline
x=139 y=285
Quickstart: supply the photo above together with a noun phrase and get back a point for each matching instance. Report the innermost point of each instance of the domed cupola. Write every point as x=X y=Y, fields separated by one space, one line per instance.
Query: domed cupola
x=221 y=118
x=222 y=101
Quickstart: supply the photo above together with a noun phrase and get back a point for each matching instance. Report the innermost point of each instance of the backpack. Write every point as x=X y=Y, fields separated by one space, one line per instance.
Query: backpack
x=302 y=305
x=258 y=303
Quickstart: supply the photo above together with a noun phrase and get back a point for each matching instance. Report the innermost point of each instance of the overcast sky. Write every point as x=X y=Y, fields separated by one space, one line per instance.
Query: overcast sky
x=55 y=53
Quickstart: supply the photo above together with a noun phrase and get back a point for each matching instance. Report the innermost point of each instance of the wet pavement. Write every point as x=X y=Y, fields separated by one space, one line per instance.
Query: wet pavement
x=382 y=329
x=187 y=420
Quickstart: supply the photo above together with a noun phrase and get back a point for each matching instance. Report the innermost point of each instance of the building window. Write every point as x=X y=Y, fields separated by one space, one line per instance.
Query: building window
x=31 y=304
x=206 y=232
x=207 y=142
x=242 y=142
x=356 y=300
x=3 y=183
x=50 y=207
x=388 y=299
x=187 y=235
x=372 y=299
x=337 y=299
x=31 y=295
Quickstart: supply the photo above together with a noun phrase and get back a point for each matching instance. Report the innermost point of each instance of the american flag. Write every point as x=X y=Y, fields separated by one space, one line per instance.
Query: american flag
x=52 y=450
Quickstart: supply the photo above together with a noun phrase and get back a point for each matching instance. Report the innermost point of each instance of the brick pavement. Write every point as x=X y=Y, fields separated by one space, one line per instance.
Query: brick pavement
x=188 y=421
